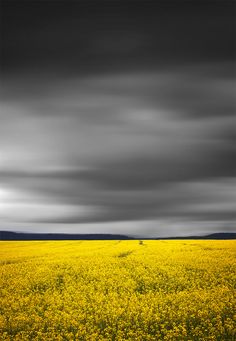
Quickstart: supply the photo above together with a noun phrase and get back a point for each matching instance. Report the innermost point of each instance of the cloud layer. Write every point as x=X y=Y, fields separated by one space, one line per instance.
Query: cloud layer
x=119 y=116
x=119 y=147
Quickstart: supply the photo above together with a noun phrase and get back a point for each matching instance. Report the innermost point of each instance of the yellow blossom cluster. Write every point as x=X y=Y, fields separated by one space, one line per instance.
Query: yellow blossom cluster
x=118 y=290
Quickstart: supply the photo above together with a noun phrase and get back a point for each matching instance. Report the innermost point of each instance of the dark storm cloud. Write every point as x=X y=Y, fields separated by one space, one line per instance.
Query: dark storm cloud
x=198 y=91
x=92 y=36
x=206 y=199
x=148 y=173
x=117 y=112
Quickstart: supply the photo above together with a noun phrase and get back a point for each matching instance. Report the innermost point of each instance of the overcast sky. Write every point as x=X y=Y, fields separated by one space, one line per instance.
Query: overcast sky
x=117 y=117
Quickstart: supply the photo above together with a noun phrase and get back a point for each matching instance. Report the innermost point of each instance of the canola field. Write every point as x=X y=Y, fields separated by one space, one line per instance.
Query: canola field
x=118 y=290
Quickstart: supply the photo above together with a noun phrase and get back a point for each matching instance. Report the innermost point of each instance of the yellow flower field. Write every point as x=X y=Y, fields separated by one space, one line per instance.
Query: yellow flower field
x=118 y=290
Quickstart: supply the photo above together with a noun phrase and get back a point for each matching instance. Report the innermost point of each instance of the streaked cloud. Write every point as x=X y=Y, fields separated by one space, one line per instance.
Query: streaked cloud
x=129 y=147
x=118 y=117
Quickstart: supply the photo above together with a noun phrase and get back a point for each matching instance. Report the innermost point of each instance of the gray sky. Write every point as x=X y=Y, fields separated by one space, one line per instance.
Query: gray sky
x=101 y=144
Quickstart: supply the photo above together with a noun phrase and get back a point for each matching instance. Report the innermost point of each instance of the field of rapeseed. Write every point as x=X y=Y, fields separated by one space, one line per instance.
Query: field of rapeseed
x=118 y=290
